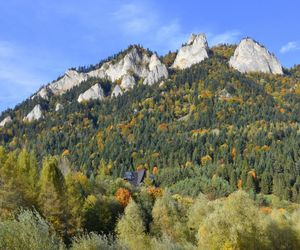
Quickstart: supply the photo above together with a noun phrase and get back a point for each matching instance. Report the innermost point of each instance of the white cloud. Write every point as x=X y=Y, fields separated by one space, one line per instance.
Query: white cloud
x=226 y=37
x=22 y=72
x=290 y=46
x=11 y=68
x=143 y=23
x=135 y=18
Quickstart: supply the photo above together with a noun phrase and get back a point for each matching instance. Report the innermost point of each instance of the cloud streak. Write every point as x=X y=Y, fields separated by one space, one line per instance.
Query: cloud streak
x=143 y=22
x=22 y=71
x=227 y=37
x=290 y=46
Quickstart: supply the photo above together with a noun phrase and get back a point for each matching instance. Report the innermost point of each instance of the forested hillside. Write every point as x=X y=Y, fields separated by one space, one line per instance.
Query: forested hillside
x=221 y=149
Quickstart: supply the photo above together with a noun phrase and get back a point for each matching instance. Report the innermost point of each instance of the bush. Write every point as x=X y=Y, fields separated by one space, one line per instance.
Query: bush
x=28 y=231
x=94 y=241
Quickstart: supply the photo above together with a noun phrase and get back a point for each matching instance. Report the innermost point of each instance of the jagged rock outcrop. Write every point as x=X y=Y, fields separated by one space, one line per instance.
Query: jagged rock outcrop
x=93 y=93
x=136 y=63
x=43 y=93
x=128 y=82
x=70 y=79
x=250 y=56
x=35 y=115
x=157 y=72
x=7 y=120
x=116 y=91
x=194 y=51
x=224 y=94
x=58 y=107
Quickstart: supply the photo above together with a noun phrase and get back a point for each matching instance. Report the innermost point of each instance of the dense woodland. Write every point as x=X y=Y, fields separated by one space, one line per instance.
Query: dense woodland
x=223 y=147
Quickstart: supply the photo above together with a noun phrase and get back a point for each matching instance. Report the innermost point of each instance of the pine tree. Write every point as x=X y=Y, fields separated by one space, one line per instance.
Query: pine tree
x=131 y=228
x=26 y=176
x=266 y=183
x=52 y=201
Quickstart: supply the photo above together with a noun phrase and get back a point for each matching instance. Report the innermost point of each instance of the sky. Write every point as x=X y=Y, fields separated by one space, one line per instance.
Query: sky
x=40 y=39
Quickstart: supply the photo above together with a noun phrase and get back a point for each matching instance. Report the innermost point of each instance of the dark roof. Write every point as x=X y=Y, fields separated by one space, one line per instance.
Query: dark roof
x=136 y=177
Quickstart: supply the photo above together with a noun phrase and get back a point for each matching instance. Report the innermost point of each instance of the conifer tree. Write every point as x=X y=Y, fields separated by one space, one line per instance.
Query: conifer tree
x=52 y=201
x=131 y=228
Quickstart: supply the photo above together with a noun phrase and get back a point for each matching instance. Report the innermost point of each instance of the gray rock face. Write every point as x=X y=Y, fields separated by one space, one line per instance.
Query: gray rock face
x=70 y=79
x=116 y=91
x=94 y=93
x=224 y=94
x=7 y=120
x=134 y=62
x=35 y=115
x=58 y=107
x=128 y=82
x=250 y=56
x=43 y=93
x=157 y=72
x=195 y=51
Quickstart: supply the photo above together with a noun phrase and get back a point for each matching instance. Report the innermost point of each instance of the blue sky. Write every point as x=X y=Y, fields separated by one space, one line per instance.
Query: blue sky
x=40 y=39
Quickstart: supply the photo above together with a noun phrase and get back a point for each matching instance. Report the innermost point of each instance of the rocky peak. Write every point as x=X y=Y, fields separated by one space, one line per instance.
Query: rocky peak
x=35 y=114
x=70 y=79
x=157 y=71
x=43 y=93
x=58 y=107
x=128 y=82
x=250 y=56
x=93 y=93
x=195 y=51
x=116 y=91
x=136 y=62
x=7 y=120
x=191 y=39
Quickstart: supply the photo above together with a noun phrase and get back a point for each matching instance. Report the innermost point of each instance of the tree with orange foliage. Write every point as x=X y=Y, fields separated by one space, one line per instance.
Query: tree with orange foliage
x=123 y=196
x=154 y=191
x=155 y=170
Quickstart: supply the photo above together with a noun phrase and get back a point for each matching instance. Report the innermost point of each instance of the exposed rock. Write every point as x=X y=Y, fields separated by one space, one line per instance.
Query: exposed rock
x=116 y=91
x=7 y=120
x=184 y=118
x=70 y=79
x=136 y=63
x=195 y=51
x=94 y=93
x=35 y=115
x=162 y=84
x=128 y=82
x=58 y=107
x=157 y=72
x=250 y=56
x=216 y=131
x=43 y=93
x=224 y=94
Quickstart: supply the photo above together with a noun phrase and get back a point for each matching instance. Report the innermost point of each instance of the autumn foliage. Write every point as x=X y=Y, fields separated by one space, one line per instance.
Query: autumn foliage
x=123 y=196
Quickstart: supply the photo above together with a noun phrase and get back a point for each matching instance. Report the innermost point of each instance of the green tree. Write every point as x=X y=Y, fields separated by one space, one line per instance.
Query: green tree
x=52 y=200
x=131 y=229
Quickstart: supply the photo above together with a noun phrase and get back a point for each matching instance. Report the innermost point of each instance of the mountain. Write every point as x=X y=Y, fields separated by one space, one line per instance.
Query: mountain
x=250 y=56
x=211 y=133
x=223 y=105
x=194 y=51
x=136 y=63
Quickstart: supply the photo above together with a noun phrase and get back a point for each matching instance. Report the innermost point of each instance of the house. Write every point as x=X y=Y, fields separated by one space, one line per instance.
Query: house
x=135 y=177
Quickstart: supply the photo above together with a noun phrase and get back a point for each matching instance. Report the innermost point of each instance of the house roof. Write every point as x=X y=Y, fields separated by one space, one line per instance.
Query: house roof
x=136 y=177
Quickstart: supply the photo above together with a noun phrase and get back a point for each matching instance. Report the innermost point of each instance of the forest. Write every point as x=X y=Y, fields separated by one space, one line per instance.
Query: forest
x=221 y=150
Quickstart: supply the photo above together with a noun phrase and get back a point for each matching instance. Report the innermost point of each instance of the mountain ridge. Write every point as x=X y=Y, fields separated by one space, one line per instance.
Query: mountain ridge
x=75 y=76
